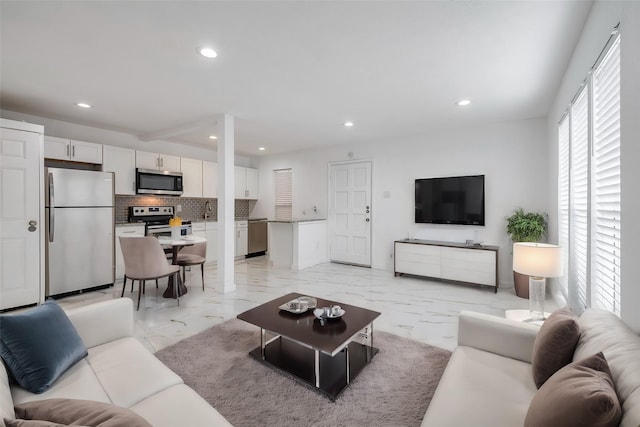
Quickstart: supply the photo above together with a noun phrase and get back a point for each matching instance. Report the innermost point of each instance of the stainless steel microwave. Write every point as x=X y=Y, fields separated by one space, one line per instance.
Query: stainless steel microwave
x=150 y=181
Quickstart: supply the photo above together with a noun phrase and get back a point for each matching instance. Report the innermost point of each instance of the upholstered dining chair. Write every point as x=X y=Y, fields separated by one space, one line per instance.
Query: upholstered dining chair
x=144 y=259
x=193 y=255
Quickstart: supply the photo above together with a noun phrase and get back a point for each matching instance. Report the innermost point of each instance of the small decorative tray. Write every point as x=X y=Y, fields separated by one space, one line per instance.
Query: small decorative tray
x=299 y=305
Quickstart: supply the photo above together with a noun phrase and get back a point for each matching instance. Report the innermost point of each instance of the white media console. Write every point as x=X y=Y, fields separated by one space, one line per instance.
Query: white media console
x=447 y=261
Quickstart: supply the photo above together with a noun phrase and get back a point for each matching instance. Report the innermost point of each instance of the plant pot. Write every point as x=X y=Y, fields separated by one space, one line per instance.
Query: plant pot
x=521 y=284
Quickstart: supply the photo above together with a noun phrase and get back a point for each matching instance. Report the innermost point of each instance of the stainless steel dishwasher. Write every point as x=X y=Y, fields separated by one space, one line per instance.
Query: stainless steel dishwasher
x=257 y=237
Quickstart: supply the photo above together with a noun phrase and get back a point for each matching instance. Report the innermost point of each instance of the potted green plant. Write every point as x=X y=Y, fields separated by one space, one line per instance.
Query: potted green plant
x=525 y=227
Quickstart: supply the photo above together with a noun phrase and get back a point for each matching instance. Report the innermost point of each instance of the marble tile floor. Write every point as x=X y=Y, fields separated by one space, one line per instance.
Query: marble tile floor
x=421 y=309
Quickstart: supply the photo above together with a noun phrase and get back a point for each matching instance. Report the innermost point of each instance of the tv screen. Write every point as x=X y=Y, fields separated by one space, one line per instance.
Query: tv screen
x=453 y=200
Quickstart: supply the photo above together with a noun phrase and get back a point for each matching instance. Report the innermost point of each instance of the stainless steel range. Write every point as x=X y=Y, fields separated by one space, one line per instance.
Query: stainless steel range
x=156 y=220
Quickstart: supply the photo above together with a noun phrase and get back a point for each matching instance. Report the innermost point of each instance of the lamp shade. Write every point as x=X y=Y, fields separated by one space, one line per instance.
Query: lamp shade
x=537 y=259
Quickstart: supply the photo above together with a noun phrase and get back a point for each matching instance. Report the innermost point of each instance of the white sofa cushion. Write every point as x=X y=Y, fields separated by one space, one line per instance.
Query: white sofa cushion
x=103 y=321
x=179 y=405
x=6 y=401
x=603 y=331
x=128 y=372
x=78 y=382
x=481 y=389
x=504 y=337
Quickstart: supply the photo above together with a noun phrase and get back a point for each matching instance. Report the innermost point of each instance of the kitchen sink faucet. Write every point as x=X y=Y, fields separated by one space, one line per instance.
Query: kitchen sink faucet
x=207 y=209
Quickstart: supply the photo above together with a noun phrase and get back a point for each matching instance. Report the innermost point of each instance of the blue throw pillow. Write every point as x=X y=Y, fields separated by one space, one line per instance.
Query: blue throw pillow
x=39 y=345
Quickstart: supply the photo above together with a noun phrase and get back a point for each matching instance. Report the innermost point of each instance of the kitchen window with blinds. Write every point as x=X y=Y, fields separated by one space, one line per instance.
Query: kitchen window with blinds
x=589 y=207
x=284 y=198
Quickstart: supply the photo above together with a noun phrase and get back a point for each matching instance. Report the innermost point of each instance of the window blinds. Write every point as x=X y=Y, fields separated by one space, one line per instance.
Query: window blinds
x=579 y=198
x=605 y=263
x=563 y=196
x=284 y=198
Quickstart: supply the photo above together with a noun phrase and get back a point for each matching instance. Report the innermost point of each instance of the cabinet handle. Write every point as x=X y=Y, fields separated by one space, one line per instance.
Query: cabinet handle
x=67 y=150
x=73 y=151
x=161 y=162
x=128 y=232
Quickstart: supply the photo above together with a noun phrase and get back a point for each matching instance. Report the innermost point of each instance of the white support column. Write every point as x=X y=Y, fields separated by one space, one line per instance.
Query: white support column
x=226 y=205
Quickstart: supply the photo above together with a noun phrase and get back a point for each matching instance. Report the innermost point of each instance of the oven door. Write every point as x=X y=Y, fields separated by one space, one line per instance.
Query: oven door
x=165 y=230
x=149 y=181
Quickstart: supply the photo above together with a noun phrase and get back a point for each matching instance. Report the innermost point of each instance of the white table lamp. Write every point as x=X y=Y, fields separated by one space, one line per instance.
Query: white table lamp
x=538 y=261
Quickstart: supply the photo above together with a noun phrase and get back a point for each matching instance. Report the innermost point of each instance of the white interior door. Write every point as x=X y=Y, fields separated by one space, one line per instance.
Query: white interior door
x=20 y=218
x=350 y=213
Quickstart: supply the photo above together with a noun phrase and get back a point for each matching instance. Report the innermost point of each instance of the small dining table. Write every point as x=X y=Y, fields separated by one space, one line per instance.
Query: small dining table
x=176 y=246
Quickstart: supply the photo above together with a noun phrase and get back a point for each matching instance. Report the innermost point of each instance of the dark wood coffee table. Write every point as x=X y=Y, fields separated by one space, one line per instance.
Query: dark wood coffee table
x=327 y=357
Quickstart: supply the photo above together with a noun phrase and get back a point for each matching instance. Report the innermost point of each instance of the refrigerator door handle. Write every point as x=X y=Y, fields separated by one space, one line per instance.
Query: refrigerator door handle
x=52 y=206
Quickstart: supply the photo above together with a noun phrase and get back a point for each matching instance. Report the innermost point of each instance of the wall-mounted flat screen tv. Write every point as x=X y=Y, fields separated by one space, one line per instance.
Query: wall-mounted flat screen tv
x=452 y=200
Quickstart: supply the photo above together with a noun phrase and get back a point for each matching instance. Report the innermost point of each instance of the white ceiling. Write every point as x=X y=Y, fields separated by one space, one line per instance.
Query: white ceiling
x=290 y=72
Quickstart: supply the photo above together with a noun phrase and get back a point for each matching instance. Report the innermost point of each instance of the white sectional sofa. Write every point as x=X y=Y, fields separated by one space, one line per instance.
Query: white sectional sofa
x=489 y=383
x=118 y=370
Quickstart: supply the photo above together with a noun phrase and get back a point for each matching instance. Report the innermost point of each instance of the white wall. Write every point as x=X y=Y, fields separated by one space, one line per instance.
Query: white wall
x=603 y=17
x=512 y=156
x=121 y=139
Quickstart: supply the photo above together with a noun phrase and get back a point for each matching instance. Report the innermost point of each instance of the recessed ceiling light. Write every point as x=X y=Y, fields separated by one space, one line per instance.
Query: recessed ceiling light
x=261 y=148
x=463 y=103
x=348 y=124
x=213 y=137
x=207 y=52
x=83 y=105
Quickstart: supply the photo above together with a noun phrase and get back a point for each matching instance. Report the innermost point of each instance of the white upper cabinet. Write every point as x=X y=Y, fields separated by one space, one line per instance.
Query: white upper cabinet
x=57 y=148
x=240 y=182
x=209 y=180
x=246 y=183
x=252 y=183
x=164 y=162
x=191 y=177
x=69 y=149
x=121 y=161
x=146 y=160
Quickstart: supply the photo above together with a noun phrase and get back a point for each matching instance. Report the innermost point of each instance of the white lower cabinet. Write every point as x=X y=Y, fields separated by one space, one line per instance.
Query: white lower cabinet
x=465 y=265
x=212 y=242
x=448 y=261
x=242 y=238
x=208 y=230
x=125 y=231
x=421 y=260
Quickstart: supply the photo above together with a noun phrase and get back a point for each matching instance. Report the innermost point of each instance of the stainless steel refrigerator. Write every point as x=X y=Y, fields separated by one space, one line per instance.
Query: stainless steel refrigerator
x=79 y=211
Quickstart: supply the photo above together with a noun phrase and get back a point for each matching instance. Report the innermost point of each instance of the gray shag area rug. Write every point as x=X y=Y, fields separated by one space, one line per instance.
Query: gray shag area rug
x=394 y=390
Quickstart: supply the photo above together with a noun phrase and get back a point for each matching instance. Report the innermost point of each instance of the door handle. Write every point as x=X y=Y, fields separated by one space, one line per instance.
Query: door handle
x=367 y=219
x=32 y=225
x=52 y=206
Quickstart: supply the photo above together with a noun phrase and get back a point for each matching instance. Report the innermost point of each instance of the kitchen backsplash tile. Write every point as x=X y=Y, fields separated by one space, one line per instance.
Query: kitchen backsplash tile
x=192 y=208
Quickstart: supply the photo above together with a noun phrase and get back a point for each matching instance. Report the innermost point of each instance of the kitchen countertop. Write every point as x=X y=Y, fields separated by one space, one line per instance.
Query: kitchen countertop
x=294 y=221
x=133 y=224
x=129 y=224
